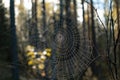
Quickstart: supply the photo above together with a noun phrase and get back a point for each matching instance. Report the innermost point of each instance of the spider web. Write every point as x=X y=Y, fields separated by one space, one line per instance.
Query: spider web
x=72 y=51
x=71 y=48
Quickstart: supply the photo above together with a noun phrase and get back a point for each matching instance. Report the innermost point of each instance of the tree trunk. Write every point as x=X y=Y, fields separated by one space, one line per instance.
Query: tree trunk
x=94 y=67
x=61 y=13
x=75 y=11
x=68 y=13
x=14 y=42
x=34 y=36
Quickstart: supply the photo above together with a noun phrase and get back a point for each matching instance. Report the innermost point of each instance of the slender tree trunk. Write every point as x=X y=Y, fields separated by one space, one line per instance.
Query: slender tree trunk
x=75 y=12
x=68 y=13
x=117 y=40
x=94 y=67
x=44 y=20
x=83 y=25
x=34 y=31
x=14 y=42
x=93 y=31
x=88 y=24
x=61 y=13
x=44 y=15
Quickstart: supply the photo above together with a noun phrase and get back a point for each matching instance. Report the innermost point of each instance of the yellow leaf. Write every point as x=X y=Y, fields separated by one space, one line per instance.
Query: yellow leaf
x=40 y=60
x=48 y=54
x=30 y=54
x=40 y=53
x=43 y=57
x=44 y=52
x=30 y=48
x=41 y=66
x=30 y=62
x=48 y=50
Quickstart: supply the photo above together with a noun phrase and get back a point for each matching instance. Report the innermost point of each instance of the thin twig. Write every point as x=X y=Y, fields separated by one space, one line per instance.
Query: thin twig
x=97 y=15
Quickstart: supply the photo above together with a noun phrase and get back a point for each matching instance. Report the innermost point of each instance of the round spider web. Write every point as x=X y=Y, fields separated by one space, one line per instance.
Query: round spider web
x=71 y=53
x=71 y=49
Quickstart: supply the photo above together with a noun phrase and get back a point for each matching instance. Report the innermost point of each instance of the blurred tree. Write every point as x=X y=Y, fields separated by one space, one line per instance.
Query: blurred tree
x=22 y=29
x=33 y=29
x=5 y=38
x=116 y=38
x=68 y=13
x=75 y=11
x=94 y=45
x=14 y=48
x=4 y=30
